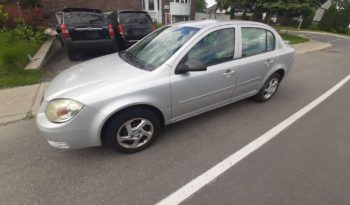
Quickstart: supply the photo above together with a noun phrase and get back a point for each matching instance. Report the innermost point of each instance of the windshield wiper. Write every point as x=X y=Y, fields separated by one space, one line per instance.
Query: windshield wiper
x=137 y=62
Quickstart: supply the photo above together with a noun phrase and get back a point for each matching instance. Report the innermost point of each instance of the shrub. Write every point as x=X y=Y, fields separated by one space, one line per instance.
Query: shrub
x=313 y=26
x=3 y=16
x=329 y=19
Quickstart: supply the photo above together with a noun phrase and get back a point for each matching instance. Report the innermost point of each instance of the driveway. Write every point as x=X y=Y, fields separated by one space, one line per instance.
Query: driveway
x=307 y=163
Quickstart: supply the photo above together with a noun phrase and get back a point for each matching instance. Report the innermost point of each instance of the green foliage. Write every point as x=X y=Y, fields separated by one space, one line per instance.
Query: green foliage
x=343 y=20
x=30 y=3
x=307 y=20
x=201 y=5
x=3 y=16
x=24 y=32
x=14 y=56
x=313 y=26
x=291 y=7
x=329 y=19
x=245 y=17
x=292 y=39
x=158 y=25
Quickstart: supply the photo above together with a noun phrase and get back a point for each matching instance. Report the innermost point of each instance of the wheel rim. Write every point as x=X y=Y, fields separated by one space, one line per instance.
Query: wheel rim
x=271 y=88
x=135 y=133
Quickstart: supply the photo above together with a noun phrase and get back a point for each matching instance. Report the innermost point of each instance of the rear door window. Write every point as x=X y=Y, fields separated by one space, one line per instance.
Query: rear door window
x=135 y=18
x=84 y=18
x=256 y=41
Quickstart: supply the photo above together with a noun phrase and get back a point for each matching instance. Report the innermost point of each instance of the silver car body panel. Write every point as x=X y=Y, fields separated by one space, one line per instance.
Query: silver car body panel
x=107 y=84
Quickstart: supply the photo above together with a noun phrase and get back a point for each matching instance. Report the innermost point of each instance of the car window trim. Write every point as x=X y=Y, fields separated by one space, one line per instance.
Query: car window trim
x=266 y=30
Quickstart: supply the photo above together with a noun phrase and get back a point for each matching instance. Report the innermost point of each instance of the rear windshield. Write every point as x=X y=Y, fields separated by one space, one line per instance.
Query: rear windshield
x=135 y=18
x=84 y=18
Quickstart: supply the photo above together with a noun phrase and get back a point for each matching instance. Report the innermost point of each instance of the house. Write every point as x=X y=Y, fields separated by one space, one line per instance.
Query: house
x=165 y=11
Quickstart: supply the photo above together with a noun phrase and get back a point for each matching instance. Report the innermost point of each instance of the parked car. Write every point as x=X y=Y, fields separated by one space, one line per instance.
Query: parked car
x=178 y=71
x=82 y=29
x=130 y=26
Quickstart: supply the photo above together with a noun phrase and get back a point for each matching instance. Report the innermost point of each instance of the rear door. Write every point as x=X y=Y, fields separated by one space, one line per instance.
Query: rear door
x=258 y=57
x=86 y=25
x=136 y=25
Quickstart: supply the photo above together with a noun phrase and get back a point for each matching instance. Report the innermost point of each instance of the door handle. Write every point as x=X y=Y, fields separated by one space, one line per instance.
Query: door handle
x=269 y=61
x=228 y=73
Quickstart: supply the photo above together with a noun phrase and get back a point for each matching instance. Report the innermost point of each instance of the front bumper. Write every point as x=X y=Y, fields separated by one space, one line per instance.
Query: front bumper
x=80 y=132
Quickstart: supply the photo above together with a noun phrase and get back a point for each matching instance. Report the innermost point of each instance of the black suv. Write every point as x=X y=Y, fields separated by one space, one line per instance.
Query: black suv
x=83 y=29
x=130 y=26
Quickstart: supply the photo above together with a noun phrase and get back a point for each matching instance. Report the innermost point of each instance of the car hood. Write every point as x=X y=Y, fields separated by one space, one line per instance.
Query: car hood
x=90 y=75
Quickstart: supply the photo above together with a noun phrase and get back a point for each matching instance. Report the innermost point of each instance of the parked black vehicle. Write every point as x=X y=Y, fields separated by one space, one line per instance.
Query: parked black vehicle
x=82 y=29
x=130 y=26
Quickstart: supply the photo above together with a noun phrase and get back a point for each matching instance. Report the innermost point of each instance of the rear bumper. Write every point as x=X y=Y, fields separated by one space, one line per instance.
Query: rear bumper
x=90 y=44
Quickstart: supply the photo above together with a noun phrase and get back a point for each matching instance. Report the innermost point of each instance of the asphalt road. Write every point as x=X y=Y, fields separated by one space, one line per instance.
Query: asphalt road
x=307 y=163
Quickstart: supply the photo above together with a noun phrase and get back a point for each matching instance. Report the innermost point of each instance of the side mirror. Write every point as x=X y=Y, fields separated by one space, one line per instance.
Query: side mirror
x=190 y=65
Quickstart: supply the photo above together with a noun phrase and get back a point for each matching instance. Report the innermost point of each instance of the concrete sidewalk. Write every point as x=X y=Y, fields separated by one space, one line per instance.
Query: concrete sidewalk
x=20 y=102
x=23 y=102
x=310 y=46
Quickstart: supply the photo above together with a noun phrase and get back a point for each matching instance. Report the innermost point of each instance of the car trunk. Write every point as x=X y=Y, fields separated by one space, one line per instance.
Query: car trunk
x=86 y=26
x=136 y=25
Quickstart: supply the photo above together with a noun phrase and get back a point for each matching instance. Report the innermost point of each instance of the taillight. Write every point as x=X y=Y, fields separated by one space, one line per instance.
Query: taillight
x=111 y=31
x=65 y=32
x=120 y=29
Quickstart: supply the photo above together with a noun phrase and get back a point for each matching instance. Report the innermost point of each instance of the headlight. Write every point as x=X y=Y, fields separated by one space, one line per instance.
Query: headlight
x=62 y=110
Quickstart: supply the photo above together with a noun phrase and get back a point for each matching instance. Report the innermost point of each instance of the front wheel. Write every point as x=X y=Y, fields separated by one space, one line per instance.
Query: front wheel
x=133 y=130
x=269 y=88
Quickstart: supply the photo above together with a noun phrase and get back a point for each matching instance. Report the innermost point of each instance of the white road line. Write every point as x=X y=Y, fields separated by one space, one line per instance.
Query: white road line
x=199 y=182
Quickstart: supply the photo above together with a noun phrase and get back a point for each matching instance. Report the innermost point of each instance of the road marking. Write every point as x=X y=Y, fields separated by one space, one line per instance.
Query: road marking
x=199 y=182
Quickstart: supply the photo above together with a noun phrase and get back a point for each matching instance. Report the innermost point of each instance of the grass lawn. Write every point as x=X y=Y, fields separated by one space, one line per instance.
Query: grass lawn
x=13 y=59
x=293 y=39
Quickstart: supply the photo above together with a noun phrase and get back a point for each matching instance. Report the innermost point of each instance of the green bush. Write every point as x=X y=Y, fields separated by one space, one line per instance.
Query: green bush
x=313 y=26
x=13 y=58
x=329 y=19
x=245 y=17
x=307 y=21
x=3 y=16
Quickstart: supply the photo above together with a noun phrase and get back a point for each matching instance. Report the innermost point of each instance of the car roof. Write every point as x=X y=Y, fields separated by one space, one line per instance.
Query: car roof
x=81 y=10
x=211 y=23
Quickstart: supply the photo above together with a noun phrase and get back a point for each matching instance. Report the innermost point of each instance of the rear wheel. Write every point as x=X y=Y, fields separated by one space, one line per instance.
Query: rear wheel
x=133 y=130
x=269 y=88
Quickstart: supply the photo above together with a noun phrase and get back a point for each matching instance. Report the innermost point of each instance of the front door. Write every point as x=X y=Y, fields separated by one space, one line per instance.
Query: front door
x=196 y=92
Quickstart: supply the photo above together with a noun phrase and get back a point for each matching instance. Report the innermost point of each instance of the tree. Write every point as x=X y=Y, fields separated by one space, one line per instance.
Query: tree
x=3 y=16
x=30 y=3
x=343 y=19
x=291 y=7
x=201 y=5
x=329 y=19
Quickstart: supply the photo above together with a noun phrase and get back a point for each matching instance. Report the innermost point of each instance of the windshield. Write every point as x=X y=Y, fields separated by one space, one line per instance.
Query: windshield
x=84 y=18
x=159 y=46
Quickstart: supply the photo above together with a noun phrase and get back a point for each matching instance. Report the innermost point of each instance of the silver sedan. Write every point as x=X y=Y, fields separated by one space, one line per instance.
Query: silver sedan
x=124 y=100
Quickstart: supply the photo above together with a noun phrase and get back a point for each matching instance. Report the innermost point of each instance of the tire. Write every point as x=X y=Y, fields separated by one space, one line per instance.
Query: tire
x=264 y=95
x=72 y=55
x=130 y=139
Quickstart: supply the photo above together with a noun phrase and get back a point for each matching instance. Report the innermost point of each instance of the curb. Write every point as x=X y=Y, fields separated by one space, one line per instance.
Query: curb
x=315 y=32
x=310 y=46
x=38 y=98
x=33 y=108
x=44 y=54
